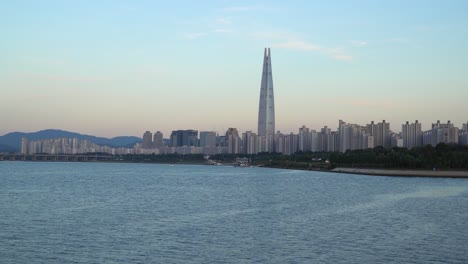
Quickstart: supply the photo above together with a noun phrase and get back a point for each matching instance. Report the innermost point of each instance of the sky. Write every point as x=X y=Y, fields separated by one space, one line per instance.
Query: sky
x=111 y=68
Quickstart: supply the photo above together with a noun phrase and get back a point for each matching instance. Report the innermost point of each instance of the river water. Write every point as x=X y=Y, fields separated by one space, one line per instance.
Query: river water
x=59 y=212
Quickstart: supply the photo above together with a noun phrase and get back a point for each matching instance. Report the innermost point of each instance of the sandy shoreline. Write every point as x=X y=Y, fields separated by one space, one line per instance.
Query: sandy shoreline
x=404 y=173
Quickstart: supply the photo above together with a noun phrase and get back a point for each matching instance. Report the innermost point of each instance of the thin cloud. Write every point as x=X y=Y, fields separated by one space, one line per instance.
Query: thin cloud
x=278 y=35
x=339 y=54
x=377 y=103
x=336 y=53
x=398 y=40
x=296 y=45
x=343 y=57
x=240 y=8
x=288 y=40
x=222 y=30
x=223 y=20
x=195 y=35
x=358 y=43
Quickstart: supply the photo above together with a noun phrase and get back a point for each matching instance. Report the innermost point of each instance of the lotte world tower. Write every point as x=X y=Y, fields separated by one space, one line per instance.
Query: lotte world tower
x=266 y=110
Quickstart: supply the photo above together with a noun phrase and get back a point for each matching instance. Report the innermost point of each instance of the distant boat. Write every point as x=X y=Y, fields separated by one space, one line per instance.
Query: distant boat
x=172 y=165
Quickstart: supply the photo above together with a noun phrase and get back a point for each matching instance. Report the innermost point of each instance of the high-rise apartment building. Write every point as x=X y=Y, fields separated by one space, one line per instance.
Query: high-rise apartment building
x=352 y=137
x=380 y=132
x=465 y=127
x=24 y=146
x=158 y=141
x=233 y=141
x=324 y=138
x=250 y=142
x=266 y=110
x=279 y=142
x=147 y=140
x=181 y=138
x=411 y=134
x=207 y=138
x=396 y=140
x=463 y=135
x=304 y=139
x=441 y=133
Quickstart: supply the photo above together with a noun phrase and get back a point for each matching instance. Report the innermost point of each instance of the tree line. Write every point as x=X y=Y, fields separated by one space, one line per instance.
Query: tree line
x=442 y=156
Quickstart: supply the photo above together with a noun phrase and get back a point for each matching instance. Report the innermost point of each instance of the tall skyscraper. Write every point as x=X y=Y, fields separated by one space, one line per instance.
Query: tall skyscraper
x=233 y=141
x=181 y=138
x=250 y=142
x=24 y=146
x=266 y=110
x=147 y=140
x=158 y=141
x=411 y=134
x=304 y=142
x=441 y=133
x=381 y=133
x=207 y=138
x=352 y=136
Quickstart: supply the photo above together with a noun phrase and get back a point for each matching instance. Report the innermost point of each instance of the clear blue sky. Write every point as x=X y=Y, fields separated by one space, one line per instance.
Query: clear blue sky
x=113 y=68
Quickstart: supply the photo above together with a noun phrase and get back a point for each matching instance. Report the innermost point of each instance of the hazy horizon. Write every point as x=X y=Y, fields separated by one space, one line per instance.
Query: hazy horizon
x=117 y=68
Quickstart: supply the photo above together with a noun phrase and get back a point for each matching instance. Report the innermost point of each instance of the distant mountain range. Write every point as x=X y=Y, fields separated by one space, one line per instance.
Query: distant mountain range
x=11 y=142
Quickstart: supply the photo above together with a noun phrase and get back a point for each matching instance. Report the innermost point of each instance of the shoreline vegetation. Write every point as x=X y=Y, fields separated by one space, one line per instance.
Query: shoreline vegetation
x=440 y=161
x=404 y=173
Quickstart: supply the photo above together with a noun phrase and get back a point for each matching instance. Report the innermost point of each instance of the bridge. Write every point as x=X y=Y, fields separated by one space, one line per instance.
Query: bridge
x=58 y=157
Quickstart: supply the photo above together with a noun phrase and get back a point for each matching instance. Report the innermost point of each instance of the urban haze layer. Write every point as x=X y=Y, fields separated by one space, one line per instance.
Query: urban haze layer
x=346 y=137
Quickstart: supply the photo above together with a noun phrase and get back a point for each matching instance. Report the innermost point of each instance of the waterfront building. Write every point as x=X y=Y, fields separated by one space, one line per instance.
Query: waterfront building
x=147 y=140
x=380 y=132
x=250 y=142
x=24 y=146
x=207 y=138
x=463 y=138
x=396 y=140
x=446 y=133
x=465 y=127
x=185 y=150
x=181 y=138
x=33 y=147
x=158 y=140
x=352 y=137
x=441 y=133
x=314 y=141
x=288 y=144
x=221 y=141
x=332 y=142
x=279 y=142
x=73 y=146
x=411 y=134
x=233 y=141
x=304 y=139
x=323 y=138
x=212 y=150
x=266 y=110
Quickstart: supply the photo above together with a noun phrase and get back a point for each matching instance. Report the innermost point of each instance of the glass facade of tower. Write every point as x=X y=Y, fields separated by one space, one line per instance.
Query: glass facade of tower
x=266 y=110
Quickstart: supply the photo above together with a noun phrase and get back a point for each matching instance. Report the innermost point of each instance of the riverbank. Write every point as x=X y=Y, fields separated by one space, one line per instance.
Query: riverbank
x=360 y=171
x=403 y=173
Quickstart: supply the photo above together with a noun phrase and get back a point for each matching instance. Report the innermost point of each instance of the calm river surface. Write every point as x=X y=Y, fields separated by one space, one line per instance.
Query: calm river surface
x=54 y=212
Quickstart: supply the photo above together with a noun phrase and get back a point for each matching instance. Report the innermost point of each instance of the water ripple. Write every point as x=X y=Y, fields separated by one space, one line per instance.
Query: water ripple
x=146 y=213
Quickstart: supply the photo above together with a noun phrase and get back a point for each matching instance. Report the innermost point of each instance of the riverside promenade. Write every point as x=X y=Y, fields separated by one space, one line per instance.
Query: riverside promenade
x=404 y=173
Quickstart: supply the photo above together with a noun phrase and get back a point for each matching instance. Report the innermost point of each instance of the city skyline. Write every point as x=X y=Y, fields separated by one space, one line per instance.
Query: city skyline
x=111 y=69
x=348 y=136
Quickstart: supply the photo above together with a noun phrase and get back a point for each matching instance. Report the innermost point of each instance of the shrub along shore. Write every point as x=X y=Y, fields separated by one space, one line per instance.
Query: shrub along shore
x=429 y=159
